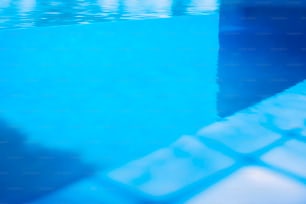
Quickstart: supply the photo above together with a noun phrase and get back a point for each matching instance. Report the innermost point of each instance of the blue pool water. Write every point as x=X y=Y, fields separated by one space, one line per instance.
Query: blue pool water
x=33 y=13
x=88 y=86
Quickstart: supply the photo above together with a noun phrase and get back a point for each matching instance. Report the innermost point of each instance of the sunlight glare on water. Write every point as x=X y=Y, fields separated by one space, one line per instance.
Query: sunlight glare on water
x=36 y=13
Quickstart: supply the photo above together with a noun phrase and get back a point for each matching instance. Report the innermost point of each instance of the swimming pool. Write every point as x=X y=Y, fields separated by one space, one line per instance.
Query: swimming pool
x=33 y=13
x=87 y=86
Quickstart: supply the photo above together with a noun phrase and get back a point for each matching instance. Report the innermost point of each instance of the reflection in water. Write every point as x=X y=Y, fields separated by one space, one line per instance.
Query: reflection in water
x=179 y=8
x=203 y=6
x=26 y=14
x=4 y=3
x=29 y=13
x=26 y=6
x=109 y=7
x=138 y=9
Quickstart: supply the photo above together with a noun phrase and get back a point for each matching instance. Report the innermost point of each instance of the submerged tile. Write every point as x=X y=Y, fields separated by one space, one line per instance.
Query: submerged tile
x=169 y=170
x=253 y=185
x=290 y=157
x=243 y=132
x=286 y=112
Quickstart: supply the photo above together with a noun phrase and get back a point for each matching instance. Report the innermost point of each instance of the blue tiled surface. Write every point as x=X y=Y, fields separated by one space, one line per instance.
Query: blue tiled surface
x=293 y=153
x=168 y=171
x=253 y=185
x=253 y=136
x=188 y=171
x=288 y=156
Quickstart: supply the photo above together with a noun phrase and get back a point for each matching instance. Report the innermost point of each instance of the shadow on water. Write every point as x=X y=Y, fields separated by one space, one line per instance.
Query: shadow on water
x=28 y=171
x=262 y=52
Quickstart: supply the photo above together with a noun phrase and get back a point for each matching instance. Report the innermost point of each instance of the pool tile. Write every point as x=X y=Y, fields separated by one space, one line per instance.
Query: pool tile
x=243 y=132
x=287 y=112
x=290 y=157
x=253 y=185
x=169 y=170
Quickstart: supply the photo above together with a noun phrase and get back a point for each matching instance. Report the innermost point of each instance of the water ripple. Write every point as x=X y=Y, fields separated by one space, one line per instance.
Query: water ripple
x=29 y=13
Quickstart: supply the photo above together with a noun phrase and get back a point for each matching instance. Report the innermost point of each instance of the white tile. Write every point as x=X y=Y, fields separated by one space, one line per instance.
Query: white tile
x=253 y=185
x=290 y=156
x=171 y=169
x=243 y=132
x=286 y=111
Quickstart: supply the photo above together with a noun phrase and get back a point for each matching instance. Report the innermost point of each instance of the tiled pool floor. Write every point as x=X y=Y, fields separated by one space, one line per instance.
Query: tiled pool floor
x=254 y=156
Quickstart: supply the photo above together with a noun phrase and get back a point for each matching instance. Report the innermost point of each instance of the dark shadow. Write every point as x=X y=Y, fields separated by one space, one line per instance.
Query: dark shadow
x=262 y=52
x=28 y=171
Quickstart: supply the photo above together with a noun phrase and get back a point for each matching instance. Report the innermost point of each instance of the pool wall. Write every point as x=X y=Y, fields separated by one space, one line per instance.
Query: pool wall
x=110 y=91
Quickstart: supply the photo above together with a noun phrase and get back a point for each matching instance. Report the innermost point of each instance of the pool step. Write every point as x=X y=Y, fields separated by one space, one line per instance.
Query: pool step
x=256 y=156
x=267 y=134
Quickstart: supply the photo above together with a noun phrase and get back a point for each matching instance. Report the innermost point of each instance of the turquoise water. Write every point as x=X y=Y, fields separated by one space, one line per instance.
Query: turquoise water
x=33 y=13
x=80 y=96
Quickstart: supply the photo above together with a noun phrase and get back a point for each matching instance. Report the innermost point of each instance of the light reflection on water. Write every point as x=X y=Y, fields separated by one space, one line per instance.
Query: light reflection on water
x=31 y=13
